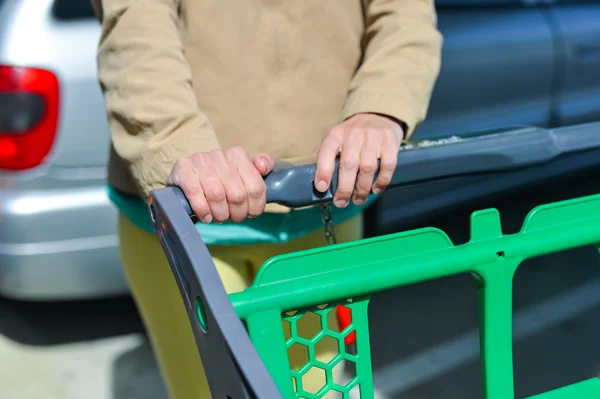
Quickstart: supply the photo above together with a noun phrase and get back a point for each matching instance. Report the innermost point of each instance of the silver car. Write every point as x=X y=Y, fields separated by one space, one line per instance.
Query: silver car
x=57 y=227
x=505 y=62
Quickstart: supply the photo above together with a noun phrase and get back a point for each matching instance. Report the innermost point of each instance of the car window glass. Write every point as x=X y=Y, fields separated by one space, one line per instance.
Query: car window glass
x=68 y=10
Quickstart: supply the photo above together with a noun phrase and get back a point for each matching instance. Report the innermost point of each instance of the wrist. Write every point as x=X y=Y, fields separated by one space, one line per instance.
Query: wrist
x=403 y=126
x=400 y=123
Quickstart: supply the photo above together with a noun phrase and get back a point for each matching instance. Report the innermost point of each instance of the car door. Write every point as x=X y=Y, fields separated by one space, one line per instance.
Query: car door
x=578 y=24
x=497 y=67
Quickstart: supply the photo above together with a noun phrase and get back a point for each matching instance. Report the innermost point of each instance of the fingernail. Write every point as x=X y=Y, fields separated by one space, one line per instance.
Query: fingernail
x=322 y=185
x=207 y=219
x=376 y=190
x=359 y=201
x=341 y=203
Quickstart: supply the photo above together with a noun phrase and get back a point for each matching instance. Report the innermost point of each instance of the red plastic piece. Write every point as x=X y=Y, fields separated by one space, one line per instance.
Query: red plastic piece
x=344 y=316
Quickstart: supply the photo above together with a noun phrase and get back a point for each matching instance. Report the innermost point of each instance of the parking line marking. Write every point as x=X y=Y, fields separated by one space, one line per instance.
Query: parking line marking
x=431 y=363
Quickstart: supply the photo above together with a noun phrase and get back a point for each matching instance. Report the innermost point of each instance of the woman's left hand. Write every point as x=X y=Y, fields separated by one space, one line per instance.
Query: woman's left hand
x=360 y=141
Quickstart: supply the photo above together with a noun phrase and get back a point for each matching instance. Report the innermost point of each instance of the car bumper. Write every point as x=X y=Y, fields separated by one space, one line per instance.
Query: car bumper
x=59 y=245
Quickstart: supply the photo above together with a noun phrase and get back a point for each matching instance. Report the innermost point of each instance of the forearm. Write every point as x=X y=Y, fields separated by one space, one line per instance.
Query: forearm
x=402 y=59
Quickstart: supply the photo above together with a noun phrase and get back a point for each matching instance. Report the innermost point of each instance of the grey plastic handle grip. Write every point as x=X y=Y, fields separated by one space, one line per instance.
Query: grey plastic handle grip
x=293 y=186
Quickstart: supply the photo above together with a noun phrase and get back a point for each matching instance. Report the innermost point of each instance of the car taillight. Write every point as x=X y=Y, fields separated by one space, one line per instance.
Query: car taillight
x=29 y=104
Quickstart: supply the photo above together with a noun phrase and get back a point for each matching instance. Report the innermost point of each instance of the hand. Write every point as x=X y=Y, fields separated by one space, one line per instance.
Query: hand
x=223 y=184
x=361 y=140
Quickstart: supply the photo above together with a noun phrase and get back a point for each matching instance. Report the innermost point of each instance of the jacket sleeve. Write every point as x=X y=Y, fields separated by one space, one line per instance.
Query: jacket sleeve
x=402 y=59
x=152 y=111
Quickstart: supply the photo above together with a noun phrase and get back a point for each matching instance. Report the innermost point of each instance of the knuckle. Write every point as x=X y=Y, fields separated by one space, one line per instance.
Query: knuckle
x=214 y=193
x=334 y=138
x=216 y=156
x=192 y=190
x=357 y=131
x=375 y=134
x=173 y=177
x=388 y=164
x=181 y=163
x=349 y=164
x=383 y=181
x=196 y=157
x=236 y=197
x=368 y=167
x=336 y=131
x=256 y=193
x=344 y=193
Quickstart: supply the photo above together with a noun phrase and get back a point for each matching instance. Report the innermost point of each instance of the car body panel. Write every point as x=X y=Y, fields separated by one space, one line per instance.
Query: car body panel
x=497 y=70
x=579 y=29
x=59 y=243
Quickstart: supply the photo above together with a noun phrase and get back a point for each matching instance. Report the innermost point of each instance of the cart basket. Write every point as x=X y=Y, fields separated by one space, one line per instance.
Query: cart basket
x=244 y=338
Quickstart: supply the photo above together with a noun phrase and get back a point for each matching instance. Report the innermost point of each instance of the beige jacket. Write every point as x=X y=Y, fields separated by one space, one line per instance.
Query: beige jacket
x=182 y=76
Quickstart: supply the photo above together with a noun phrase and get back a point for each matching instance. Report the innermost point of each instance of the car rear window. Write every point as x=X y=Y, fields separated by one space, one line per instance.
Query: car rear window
x=70 y=10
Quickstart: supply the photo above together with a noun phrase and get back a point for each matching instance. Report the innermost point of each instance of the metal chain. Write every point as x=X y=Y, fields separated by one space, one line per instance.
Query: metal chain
x=326 y=217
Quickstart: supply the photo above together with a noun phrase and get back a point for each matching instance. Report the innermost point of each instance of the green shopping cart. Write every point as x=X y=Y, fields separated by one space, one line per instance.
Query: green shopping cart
x=244 y=338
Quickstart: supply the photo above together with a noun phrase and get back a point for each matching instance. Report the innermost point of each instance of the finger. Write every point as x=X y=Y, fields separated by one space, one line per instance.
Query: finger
x=367 y=168
x=255 y=188
x=235 y=192
x=387 y=166
x=264 y=163
x=349 y=161
x=328 y=151
x=184 y=176
x=212 y=184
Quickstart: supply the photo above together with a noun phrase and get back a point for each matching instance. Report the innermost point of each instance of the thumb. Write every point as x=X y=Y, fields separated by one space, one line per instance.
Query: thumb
x=263 y=163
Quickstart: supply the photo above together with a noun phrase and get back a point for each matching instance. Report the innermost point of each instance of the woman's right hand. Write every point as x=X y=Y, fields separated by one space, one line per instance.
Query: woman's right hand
x=223 y=185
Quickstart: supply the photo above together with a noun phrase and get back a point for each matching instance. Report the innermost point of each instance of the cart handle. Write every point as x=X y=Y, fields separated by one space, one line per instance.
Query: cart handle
x=293 y=186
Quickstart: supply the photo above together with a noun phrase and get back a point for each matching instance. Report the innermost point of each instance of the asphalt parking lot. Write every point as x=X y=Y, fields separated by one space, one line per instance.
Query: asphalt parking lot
x=424 y=337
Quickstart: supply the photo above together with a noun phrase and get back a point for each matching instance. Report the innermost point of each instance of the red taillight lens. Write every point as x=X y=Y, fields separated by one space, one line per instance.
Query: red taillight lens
x=29 y=102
